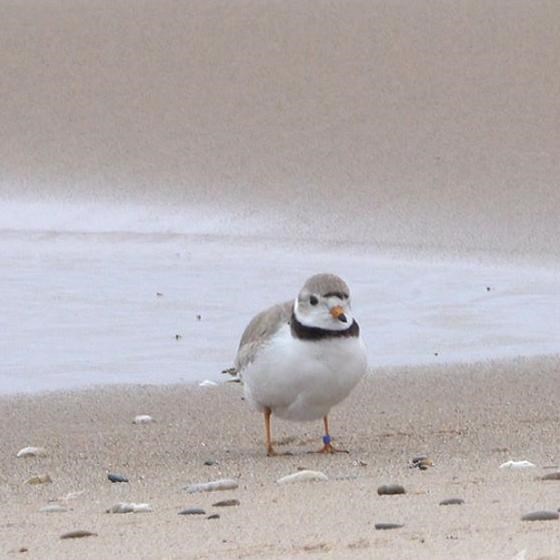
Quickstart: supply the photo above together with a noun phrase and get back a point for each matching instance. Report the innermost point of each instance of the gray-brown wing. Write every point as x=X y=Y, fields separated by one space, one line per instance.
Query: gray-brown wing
x=259 y=330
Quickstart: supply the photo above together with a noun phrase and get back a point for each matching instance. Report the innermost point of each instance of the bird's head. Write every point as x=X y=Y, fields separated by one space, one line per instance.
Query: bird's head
x=324 y=302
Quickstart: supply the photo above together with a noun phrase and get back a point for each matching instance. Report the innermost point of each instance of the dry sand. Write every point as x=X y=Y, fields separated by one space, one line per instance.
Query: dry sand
x=468 y=419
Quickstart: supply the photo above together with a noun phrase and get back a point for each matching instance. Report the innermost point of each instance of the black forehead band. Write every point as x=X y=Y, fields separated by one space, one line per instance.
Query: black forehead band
x=339 y=295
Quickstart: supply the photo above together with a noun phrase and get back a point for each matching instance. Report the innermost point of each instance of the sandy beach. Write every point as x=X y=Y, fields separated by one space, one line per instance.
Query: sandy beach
x=468 y=419
x=168 y=169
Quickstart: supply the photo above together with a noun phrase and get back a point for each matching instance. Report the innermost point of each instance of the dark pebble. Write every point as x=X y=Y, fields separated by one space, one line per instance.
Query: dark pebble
x=225 y=503
x=452 y=502
x=210 y=462
x=192 y=511
x=117 y=478
x=390 y=489
x=79 y=534
x=540 y=516
x=214 y=516
x=551 y=476
x=380 y=526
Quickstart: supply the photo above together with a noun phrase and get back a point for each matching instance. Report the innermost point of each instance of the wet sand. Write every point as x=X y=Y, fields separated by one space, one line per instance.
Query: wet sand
x=467 y=419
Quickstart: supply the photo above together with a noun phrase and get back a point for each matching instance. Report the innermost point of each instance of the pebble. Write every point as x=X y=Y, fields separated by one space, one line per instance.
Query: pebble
x=192 y=511
x=551 y=476
x=391 y=489
x=52 y=508
x=214 y=516
x=213 y=486
x=130 y=507
x=517 y=465
x=117 y=477
x=388 y=526
x=79 y=534
x=32 y=452
x=143 y=419
x=452 y=502
x=226 y=503
x=540 y=516
x=210 y=462
x=421 y=462
x=39 y=479
x=303 y=476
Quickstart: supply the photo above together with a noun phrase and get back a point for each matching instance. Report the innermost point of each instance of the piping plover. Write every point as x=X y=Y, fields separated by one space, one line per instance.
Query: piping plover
x=300 y=358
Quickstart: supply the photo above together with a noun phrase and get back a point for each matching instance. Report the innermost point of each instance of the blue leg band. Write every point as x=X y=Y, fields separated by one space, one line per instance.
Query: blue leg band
x=327 y=440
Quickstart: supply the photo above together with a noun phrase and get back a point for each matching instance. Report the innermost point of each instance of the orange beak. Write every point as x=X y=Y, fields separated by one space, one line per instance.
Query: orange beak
x=338 y=313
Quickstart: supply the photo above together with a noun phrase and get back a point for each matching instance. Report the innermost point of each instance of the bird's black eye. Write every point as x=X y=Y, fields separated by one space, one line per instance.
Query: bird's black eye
x=313 y=300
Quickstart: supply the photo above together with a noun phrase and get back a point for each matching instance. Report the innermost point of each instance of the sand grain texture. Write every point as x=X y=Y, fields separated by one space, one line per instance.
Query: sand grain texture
x=470 y=419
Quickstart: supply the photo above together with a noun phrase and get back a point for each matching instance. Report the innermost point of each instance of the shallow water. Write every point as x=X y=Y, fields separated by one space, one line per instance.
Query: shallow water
x=84 y=309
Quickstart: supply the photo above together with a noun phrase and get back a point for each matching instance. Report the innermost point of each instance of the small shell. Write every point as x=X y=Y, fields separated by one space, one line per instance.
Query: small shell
x=39 y=479
x=207 y=383
x=143 y=419
x=32 y=452
x=53 y=508
x=302 y=476
x=213 y=486
x=517 y=465
x=130 y=507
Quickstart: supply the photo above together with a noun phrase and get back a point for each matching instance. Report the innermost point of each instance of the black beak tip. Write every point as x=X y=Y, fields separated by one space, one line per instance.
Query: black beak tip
x=343 y=318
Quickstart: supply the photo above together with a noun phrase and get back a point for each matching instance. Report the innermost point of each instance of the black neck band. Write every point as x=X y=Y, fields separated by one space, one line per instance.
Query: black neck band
x=304 y=332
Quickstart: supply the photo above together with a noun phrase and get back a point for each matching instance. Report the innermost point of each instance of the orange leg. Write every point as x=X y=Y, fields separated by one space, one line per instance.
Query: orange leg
x=328 y=446
x=268 y=434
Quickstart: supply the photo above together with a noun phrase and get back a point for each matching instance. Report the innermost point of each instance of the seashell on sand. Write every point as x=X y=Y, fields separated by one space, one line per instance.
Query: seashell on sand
x=303 y=476
x=39 y=479
x=517 y=465
x=32 y=452
x=53 y=508
x=143 y=419
x=213 y=486
x=130 y=507
x=207 y=383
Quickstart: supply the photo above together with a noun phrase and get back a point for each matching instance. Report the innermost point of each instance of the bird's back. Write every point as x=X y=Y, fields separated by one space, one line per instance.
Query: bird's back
x=259 y=330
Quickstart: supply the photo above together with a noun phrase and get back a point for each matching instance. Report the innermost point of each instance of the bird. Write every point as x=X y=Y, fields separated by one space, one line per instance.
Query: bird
x=300 y=358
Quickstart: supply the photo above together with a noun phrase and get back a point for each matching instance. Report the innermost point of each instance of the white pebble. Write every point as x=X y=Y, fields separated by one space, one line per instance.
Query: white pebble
x=53 y=508
x=302 y=476
x=32 y=452
x=207 y=383
x=39 y=479
x=517 y=465
x=130 y=507
x=213 y=486
x=143 y=419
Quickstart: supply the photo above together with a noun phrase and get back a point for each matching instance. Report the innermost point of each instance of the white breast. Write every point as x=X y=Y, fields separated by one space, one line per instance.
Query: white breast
x=302 y=379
